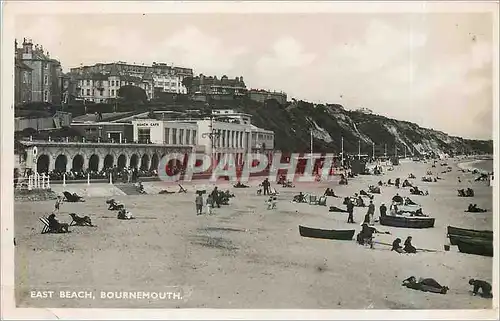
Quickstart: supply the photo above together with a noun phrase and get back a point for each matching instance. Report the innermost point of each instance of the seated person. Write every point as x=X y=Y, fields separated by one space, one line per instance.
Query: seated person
x=397 y=182
x=140 y=187
x=411 y=176
x=397 y=199
x=394 y=209
x=300 y=198
x=373 y=189
x=409 y=248
x=329 y=192
x=360 y=202
x=408 y=201
x=396 y=246
x=406 y=183
x=484 y=286
x=470 y=192
x=365 y=236
x=56 y=226
x=380 y=183
x=389 y=182
x=240 y=185
x=123 y=214
x=474 y=209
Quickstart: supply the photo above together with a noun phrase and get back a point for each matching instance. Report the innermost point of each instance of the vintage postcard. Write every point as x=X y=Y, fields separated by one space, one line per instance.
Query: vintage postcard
x=277 y=160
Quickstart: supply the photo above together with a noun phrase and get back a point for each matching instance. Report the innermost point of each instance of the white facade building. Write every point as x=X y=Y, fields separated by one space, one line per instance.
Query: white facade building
x=233 y=134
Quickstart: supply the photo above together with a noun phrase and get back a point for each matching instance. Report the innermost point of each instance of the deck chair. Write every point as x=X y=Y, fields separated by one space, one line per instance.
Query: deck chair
x=322 y=201
x=46 y=226
x=72 y=198
x=182 y=189
x=80 y=221
x=313 y=200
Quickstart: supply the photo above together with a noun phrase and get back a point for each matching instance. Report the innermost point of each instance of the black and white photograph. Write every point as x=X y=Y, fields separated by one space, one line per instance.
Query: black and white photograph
x=249 y=156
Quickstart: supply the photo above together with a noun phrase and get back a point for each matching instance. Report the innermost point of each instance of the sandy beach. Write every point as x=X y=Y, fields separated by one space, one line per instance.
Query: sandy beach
x=246 y=256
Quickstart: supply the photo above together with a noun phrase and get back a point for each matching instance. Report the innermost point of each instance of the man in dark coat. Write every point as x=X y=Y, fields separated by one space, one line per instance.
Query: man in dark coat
x=350 y=210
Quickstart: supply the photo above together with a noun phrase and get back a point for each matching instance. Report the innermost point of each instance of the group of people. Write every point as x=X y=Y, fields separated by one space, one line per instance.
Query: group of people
x=469 y=192
x=214 y=199
x=408 y=247
x=123 y=213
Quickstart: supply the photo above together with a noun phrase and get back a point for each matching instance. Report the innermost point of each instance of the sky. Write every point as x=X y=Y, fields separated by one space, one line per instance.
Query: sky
x=434 y=69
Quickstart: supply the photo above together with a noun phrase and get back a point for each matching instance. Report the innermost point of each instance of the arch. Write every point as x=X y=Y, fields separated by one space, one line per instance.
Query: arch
x=60 y=164
x=155 y=161
x=94 y=162
x=77 y=164
x=108 y=161
x=134 y=160
x=42 y=163
x=145 y=162
x=122 y=161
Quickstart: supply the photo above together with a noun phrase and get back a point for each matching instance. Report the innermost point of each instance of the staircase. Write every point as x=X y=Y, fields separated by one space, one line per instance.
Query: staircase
x=128 y=189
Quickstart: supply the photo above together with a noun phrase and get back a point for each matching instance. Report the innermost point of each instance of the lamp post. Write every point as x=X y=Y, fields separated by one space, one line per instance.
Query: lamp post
x=212 y=135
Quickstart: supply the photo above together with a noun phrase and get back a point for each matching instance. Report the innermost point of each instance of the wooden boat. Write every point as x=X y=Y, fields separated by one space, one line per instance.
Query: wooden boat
x=476 y=246
x=407 y=221
x=326 y=234
x=456 y=233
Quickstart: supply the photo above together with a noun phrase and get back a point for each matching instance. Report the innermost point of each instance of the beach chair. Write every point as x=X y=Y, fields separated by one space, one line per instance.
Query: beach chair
x=322 y=201
x=313 y=200
x=46 y=226
x=182 y=189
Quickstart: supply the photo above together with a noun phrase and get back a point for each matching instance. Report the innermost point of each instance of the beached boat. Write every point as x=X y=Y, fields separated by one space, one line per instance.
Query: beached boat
x=407 y=221
x=456 y=233
x=476 y=246
x=326 y=234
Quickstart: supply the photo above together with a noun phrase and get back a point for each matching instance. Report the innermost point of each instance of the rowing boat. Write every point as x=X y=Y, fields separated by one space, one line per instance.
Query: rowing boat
x=407 y=222
x=326 y=234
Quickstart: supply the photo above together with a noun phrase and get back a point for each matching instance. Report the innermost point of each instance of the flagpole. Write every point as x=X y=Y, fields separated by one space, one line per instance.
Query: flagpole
x=373 y=148
x=359 y=149
x=311 y=144
x=342 y=152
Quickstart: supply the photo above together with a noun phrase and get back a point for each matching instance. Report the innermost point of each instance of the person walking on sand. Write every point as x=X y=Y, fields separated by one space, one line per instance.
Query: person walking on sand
x=265 y=185
x=350 y=210
x=199 y=204
x=210 y=204
x=371 y=210
x=58 y=204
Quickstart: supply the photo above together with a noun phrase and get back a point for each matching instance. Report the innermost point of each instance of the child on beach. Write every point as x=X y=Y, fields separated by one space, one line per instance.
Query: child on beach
x=199 y=204
x=210 y=204
x=58 y=204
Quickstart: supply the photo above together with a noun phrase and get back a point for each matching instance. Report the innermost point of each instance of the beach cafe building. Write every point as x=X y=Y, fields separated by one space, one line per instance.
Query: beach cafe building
x=230 y=135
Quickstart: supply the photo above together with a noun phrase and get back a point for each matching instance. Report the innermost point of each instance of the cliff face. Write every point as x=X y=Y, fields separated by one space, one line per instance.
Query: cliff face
x=292 y=124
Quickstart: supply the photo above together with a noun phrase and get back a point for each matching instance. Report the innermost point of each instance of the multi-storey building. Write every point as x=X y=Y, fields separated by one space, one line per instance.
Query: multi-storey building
x=102 y=81
x=46 y=73
x=218 y=87
x=261 y=95
x=22 y=82
x=233 y=134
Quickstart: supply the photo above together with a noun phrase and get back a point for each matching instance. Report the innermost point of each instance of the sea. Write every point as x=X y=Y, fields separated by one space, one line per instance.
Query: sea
x=484 y=165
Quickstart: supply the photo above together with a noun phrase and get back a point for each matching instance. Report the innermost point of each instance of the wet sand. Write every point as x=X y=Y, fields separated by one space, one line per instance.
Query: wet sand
x=246 y=256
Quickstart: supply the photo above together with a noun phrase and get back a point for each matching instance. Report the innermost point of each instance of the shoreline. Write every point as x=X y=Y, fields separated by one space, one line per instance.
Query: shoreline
x=470 y=165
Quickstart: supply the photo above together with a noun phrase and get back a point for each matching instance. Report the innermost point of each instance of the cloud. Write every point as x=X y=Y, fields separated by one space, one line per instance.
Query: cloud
x=286 y=53
x=208 y=54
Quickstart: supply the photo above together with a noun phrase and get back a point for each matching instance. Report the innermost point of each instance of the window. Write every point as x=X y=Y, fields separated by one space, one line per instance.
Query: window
x=241 y=139
x=88 y=92
x=194 y=137
x=223 y=138
x=167 y=135
x=46 y=95
x=181 y=136
x=46 y=80
x=83 y=92
x=45 y=65
x=112 y=92
x=88 y=82
x=188 y=133
x=174 y=136
x=143 y=135
x=112 y=82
